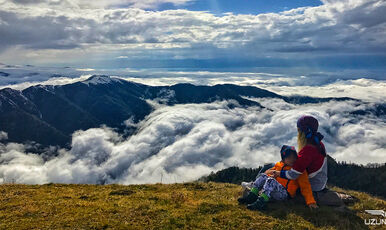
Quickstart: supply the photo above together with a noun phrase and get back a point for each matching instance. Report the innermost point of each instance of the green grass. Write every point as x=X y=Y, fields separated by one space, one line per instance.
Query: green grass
x=163 y=206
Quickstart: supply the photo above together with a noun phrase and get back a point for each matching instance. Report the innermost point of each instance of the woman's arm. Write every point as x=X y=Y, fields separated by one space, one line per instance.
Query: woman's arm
x=287 y=174
x=303 y=161
x=270 y=171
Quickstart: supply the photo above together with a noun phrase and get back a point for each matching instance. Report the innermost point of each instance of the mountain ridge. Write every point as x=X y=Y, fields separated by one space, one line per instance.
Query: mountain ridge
x=49 y=114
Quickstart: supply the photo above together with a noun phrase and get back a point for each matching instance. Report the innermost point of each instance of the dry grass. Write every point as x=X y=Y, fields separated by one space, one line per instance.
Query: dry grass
x=161 y=206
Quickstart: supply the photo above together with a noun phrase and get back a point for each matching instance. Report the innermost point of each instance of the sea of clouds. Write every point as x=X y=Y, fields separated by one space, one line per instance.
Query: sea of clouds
x=184 y=142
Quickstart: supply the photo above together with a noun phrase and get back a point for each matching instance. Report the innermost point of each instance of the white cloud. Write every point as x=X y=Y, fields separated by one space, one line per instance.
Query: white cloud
x=3 y=135
x=184 y=142
x=85 y=4
x=373 y=90
x=94 y=34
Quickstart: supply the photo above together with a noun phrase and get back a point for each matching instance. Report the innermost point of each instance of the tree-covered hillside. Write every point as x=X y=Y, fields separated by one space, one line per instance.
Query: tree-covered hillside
x=370 y=179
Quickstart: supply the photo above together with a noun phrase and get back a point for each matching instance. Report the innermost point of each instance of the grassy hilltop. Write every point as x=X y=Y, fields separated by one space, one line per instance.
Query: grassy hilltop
x=163 y=206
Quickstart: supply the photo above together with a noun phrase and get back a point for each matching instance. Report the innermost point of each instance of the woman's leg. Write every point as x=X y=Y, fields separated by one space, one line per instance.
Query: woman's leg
x=328 y=197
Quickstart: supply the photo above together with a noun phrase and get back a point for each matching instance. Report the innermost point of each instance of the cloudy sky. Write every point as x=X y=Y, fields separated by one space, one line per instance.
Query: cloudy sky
x=195 y=34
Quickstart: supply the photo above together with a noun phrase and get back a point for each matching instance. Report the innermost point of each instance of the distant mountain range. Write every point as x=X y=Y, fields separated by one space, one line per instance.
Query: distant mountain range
x=49 y=114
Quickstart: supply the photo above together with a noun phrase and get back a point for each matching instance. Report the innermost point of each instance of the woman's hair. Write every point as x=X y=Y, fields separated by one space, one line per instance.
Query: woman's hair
x=303 y=141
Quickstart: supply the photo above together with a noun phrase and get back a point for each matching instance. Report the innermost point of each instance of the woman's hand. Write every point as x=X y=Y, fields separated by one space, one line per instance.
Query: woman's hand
x=313 y=206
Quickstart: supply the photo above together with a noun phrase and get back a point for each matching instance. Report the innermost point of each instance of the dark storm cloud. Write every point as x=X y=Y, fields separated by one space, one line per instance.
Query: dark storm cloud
x=44 y=32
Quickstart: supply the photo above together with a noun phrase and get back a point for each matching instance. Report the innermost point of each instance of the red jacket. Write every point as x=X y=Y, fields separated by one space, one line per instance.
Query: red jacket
x=312 y=161
x=309 y=159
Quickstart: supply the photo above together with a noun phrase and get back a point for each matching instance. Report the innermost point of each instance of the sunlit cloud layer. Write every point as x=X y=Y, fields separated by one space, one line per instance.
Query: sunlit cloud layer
x=183 y=142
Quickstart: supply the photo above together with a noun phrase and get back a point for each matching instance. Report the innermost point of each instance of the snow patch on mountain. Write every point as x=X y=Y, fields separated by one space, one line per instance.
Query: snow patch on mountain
x=101 y=79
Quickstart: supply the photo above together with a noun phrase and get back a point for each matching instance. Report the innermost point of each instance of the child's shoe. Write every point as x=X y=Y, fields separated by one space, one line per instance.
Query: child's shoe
x=259 y=204
x=250 y=198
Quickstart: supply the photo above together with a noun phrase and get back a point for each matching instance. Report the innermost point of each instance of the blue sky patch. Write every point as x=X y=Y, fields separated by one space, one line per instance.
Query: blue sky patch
x=242 y=6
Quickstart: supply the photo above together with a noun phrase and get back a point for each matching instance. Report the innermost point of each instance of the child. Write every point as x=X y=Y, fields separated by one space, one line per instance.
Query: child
x=266 y=187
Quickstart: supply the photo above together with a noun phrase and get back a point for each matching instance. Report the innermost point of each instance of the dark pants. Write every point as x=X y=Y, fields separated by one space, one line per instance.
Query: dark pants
x=328 y=197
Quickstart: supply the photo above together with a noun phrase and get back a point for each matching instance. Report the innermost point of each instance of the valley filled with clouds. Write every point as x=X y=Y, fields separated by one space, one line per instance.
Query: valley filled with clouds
x=186 y=141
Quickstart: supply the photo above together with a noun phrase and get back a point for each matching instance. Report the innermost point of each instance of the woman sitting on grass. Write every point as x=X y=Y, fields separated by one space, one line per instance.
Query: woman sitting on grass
x=312 y=158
